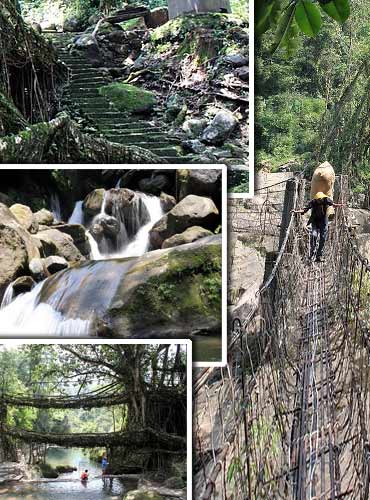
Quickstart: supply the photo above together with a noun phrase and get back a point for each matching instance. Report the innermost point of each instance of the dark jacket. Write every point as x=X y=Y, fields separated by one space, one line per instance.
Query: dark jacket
x=319 y=210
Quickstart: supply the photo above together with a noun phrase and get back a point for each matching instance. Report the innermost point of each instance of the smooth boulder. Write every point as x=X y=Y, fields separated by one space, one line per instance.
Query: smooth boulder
x=202 y=182
x=55 y=263
x=193 y=210
x=55 y=242
x=17 y=248
x=44 y=217
x=25 y=217
x=188 y=236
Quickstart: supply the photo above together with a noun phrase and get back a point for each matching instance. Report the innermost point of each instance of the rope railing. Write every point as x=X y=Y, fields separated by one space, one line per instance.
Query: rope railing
x=288 y=417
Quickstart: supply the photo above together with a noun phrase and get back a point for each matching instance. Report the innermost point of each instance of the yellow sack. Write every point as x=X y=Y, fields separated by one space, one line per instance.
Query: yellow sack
x=323 y=180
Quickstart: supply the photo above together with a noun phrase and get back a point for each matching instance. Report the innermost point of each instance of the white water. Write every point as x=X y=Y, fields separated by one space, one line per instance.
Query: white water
x=55 y=207
x=8 y=296
x=140 y=242
x=77 y=216
x=24 y=316
x=95 y=252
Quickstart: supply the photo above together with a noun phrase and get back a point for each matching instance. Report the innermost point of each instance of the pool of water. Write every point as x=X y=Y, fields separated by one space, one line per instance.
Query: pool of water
x=207 y=348
x=71 y=486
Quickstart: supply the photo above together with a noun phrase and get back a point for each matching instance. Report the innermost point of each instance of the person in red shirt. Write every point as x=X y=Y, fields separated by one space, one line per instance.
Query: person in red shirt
x=85 y=476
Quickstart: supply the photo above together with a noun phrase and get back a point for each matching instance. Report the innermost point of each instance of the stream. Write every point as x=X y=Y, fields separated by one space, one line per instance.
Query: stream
x=94 y=489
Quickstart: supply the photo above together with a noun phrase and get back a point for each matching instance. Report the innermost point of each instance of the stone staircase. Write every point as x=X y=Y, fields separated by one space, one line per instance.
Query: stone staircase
x=82 y=93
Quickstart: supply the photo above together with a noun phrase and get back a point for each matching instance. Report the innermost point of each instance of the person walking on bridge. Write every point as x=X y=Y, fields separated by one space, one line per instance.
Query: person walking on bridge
x=319 y=222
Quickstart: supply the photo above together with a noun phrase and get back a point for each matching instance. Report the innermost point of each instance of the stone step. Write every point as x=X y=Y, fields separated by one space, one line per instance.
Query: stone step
x=115 y=116
x=149 y=137
x=86 y=79
x=135 y=128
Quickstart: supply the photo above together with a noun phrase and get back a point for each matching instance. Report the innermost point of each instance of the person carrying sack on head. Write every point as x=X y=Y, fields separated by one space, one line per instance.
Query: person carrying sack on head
x=319 y=221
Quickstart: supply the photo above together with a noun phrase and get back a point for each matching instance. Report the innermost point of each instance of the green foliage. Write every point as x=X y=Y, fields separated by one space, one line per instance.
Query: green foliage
x=286 y=19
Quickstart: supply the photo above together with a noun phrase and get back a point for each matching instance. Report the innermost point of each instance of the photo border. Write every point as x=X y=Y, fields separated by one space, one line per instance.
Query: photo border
x=189 y=374
x=224 y=223
x=251 y=153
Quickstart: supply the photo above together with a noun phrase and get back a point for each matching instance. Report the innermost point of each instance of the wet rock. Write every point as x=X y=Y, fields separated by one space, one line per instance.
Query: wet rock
x=157 y=17
x=72 y=25
x=167 y=202
x=110 y=226
x=17 y=248
x=23 y=284
x=55 y=242
x=142 y=494
x=54 y=263
x=188 y=236
x=78 y=234
x=191 y=211
x=93 y=202
x=194 y=127
x=221 y=127
x=36 y=267
x=202 y=182
x=154 y=184
x=243 y=73
x=25 y=217
x=237 y=60
x=44 y=217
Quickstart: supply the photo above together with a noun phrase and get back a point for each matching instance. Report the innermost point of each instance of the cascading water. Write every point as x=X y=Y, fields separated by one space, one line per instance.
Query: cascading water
x=77 y=216
x=54 y=306
x=8 y=296
x=55 y=207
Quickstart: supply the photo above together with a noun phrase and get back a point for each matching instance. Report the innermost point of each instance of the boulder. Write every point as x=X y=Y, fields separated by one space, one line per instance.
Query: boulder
x=17 y=248
x=48 y=26
x=54 y=263
x=243 y=73
x=55 y=242
x=72 y=25
x=188 y=236
x=191 y=211
x=363 y=242
x=237 y=60
x=220 y=129
x=359 y=218
x=167 y=202
x=25 y=217
x=106 y=225
x=157 y=17
x=194 y=127
x=84 y=41
x=93 y=19
x=93 y=203
x=37 y=28
x=142 y=494
x=202 y=182
x=36 y=267
x=194 y=146
x=128 y=98
x=44 y=217
x=154 y=184
x=176 y=483
x=78 y=234
x=23 y=284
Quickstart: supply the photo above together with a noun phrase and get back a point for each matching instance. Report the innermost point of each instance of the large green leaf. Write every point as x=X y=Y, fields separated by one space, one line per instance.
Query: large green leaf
x=308 y=17
x=339 y=10
x=283 y=27
x=262 y=16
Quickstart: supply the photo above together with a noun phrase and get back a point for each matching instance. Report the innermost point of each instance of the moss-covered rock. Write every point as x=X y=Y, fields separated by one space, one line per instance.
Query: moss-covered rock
x=129 y=98
x=48 y=471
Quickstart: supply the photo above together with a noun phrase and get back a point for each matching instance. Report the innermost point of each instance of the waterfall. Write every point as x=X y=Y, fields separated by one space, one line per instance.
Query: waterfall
x=77 y=216
x=118 y=185
x=140 y=244
x=95 y=253
x=55 y=207
x=8 y=296
x=67 y=303
x=104 y=204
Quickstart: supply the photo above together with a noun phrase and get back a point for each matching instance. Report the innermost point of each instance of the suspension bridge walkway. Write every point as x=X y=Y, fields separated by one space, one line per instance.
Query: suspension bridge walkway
x=289 y=416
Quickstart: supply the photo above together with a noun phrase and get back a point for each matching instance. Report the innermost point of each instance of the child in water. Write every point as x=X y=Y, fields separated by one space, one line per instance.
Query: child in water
x=85 y=475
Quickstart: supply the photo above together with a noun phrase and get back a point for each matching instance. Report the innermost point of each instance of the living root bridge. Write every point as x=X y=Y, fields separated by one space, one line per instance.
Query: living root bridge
x=64 y=402
x=60 y=141
x=140 y=439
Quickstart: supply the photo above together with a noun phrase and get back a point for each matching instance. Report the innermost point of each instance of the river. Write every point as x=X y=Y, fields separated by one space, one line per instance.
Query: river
x=93 y=489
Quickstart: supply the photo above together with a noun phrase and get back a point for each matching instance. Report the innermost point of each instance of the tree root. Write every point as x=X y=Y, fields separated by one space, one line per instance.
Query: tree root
x=61 y=141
